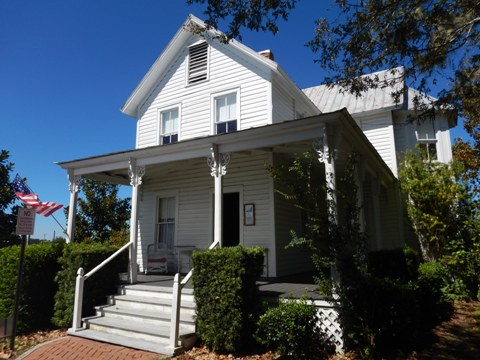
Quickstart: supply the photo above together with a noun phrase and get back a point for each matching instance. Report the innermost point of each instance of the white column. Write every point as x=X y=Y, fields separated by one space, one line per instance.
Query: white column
x=136 y=173
x=218 y=166
x=327 y=152
x=376 y=211
x=74 y=183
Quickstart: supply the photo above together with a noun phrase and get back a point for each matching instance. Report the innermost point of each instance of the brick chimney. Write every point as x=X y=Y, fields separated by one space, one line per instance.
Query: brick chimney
x=268 y=54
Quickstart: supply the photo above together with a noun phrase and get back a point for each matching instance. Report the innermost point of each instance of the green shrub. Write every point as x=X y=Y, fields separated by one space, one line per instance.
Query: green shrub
x=101 y=284
x=38 y=286
x=432 y=278
x=293 y=330
x=226 y=296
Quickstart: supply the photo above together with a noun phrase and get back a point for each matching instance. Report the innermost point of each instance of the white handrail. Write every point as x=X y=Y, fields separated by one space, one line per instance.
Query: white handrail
x=106 y=261
x=79 y=286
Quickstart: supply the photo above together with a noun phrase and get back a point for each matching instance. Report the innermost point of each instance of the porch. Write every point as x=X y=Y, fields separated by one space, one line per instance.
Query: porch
x=140 y=314
x=292 y=286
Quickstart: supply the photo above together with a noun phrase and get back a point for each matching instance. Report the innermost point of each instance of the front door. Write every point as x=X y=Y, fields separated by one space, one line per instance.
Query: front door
x=231 y=219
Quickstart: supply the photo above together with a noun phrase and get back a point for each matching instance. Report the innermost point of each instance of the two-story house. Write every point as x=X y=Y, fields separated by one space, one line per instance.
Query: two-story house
x=212 y=116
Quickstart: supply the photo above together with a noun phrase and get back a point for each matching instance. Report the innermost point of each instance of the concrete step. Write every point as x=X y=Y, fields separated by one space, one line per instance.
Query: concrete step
x=135 y=330
x=134 y=343
x=147 y=317
x=154 y=291
x=149 y=304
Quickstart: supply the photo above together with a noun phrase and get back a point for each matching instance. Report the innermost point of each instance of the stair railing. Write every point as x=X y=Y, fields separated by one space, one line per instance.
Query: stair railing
x=176 y=301
x=79 y=286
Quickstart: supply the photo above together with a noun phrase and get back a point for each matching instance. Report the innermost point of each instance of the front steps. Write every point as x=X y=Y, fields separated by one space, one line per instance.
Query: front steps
x=139 y=317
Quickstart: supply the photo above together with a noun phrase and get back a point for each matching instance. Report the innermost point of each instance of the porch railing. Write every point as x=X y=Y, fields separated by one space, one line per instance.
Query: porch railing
x=79 y=286
x=176 y=301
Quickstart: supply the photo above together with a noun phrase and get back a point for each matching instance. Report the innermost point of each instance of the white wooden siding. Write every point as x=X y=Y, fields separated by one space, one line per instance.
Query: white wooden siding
x=228 y=70
x=378 y=129
x=193 y=185
x=405 y=137
x=288 y=105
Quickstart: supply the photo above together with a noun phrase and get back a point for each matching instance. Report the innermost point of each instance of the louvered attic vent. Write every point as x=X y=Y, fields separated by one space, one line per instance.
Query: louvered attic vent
x=197 y=63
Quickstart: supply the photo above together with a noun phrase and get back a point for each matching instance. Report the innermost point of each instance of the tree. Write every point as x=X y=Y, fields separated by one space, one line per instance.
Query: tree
x=101 y=215
x=432 y=39
x=445 y=216
x=7 y=198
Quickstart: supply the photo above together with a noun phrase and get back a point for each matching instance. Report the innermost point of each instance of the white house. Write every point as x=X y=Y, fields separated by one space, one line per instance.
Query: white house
x=210 y=117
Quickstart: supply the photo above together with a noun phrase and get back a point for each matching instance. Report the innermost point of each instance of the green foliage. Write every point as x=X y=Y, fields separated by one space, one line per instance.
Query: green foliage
x=293 y=330
x=101 y=215
x=38 y=285
x=101 y=284
x=433 y=196
x=445 y=215
x=7 y=198
x=226 y=296
x=246 y=14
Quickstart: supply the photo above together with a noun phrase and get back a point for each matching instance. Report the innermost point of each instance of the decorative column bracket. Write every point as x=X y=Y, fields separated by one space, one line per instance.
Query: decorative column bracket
x=217 y=162
x=135 y=173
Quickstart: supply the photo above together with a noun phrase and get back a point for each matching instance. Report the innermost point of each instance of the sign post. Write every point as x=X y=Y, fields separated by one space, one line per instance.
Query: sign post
x=25 y=227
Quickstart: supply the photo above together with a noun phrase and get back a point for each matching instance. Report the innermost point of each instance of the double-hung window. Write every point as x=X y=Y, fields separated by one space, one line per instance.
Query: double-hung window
x=169 y=126
x=166 y=223
x=427 y=142
x=226 y=113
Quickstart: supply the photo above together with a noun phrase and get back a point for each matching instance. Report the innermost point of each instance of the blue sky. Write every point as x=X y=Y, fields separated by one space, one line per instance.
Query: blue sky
x=67 y=66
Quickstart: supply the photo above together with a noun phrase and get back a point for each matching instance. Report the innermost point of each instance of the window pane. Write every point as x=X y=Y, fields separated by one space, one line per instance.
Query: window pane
x=221 y=128
x=166 y=222
x=226 y=107
x=232 y=126
x=169 y=121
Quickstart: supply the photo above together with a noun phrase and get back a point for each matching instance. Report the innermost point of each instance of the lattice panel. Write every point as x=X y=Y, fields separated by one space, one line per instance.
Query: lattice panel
x=329 y=322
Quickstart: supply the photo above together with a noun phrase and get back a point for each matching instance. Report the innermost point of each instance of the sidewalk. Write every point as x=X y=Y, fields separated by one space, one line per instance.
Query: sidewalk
x=75 y=348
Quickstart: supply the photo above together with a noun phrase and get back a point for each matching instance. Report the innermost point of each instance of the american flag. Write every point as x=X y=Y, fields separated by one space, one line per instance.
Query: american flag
x=31 y=200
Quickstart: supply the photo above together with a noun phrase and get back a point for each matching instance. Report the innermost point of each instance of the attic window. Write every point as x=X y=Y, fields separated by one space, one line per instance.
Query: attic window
x=197 y=63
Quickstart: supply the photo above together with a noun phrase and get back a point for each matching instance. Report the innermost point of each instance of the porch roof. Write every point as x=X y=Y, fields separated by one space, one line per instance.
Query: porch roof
x=113 y=167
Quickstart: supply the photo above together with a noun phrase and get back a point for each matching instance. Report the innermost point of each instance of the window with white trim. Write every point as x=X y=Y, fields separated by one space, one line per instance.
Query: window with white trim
x=428 y=145
x=169 y=126
x=166 y=223
x=226 y=113
x=197 y=63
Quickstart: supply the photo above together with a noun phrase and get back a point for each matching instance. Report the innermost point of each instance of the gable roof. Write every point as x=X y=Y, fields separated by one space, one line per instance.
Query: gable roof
x=175 y=45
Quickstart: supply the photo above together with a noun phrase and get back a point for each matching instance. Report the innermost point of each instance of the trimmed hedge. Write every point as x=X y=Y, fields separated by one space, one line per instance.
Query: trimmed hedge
x=101 y=284
x=293 y=329
x=226 y=296
x=38 y=285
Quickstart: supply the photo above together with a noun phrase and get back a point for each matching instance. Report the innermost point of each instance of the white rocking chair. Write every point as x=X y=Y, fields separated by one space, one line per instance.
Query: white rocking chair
x=156 y=260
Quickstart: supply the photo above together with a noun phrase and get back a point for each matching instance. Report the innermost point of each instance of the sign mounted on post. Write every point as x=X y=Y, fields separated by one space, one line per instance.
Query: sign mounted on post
x=25 y=221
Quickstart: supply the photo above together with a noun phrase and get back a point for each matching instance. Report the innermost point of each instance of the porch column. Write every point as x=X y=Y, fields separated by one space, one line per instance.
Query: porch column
x=73 y=185
x=136 y=173
x=376 y=211
x=326 y=150
x=359 y=180
x=218 y=166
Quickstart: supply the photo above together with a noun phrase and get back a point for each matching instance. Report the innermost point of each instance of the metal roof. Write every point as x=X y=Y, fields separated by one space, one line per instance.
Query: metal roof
x=332 y=98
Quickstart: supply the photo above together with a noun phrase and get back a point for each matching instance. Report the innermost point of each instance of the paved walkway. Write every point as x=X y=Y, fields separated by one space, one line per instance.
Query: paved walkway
x=75 y=348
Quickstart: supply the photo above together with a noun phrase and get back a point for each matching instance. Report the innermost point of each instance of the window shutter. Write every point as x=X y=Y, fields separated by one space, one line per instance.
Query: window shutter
x=197 y=63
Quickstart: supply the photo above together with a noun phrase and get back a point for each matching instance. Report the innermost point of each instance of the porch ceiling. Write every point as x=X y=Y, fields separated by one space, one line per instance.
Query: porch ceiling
x=287 y=137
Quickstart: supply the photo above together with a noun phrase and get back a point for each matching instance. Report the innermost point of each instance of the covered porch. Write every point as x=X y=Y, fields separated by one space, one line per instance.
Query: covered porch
x=201 y=225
